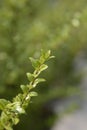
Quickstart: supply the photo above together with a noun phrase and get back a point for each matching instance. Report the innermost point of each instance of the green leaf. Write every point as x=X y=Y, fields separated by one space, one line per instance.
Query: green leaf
x=43 y=67
x=51 y=57
x=18 y=98
x=32 y=94
x=3 y=103
x=47 y=54
x=28 y=97
x=30 y=76
x=42 y=57
x=18 y=108
x=24 y=88
x=30 y=87
x=38 y=81
x=5 y=121
x=35 y=62
x=15 y=120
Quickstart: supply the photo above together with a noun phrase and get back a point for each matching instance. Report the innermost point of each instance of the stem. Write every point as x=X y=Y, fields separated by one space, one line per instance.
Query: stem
x=31 y=83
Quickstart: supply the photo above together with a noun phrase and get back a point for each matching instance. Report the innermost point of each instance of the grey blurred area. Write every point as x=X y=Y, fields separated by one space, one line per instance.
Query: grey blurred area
x=77 y=120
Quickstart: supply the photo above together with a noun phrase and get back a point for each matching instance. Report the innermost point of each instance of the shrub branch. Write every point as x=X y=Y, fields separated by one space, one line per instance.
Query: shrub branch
x=11 y=110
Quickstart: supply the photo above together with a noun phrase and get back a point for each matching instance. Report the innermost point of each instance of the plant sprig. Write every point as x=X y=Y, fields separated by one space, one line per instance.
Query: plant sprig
x=11 y=110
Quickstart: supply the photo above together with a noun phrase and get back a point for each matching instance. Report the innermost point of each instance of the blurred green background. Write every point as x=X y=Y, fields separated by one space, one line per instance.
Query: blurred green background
x=26 y=26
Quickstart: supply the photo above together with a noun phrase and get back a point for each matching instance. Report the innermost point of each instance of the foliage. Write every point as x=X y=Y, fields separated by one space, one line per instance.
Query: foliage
x=12 y=110
x=26 y=27
x=59 y=25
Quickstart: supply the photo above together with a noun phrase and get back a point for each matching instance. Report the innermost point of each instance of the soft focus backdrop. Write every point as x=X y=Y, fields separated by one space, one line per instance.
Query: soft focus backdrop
x=26 y=26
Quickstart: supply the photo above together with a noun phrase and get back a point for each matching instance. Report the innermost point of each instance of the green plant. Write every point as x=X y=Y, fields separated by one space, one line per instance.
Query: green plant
x=11 y=110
